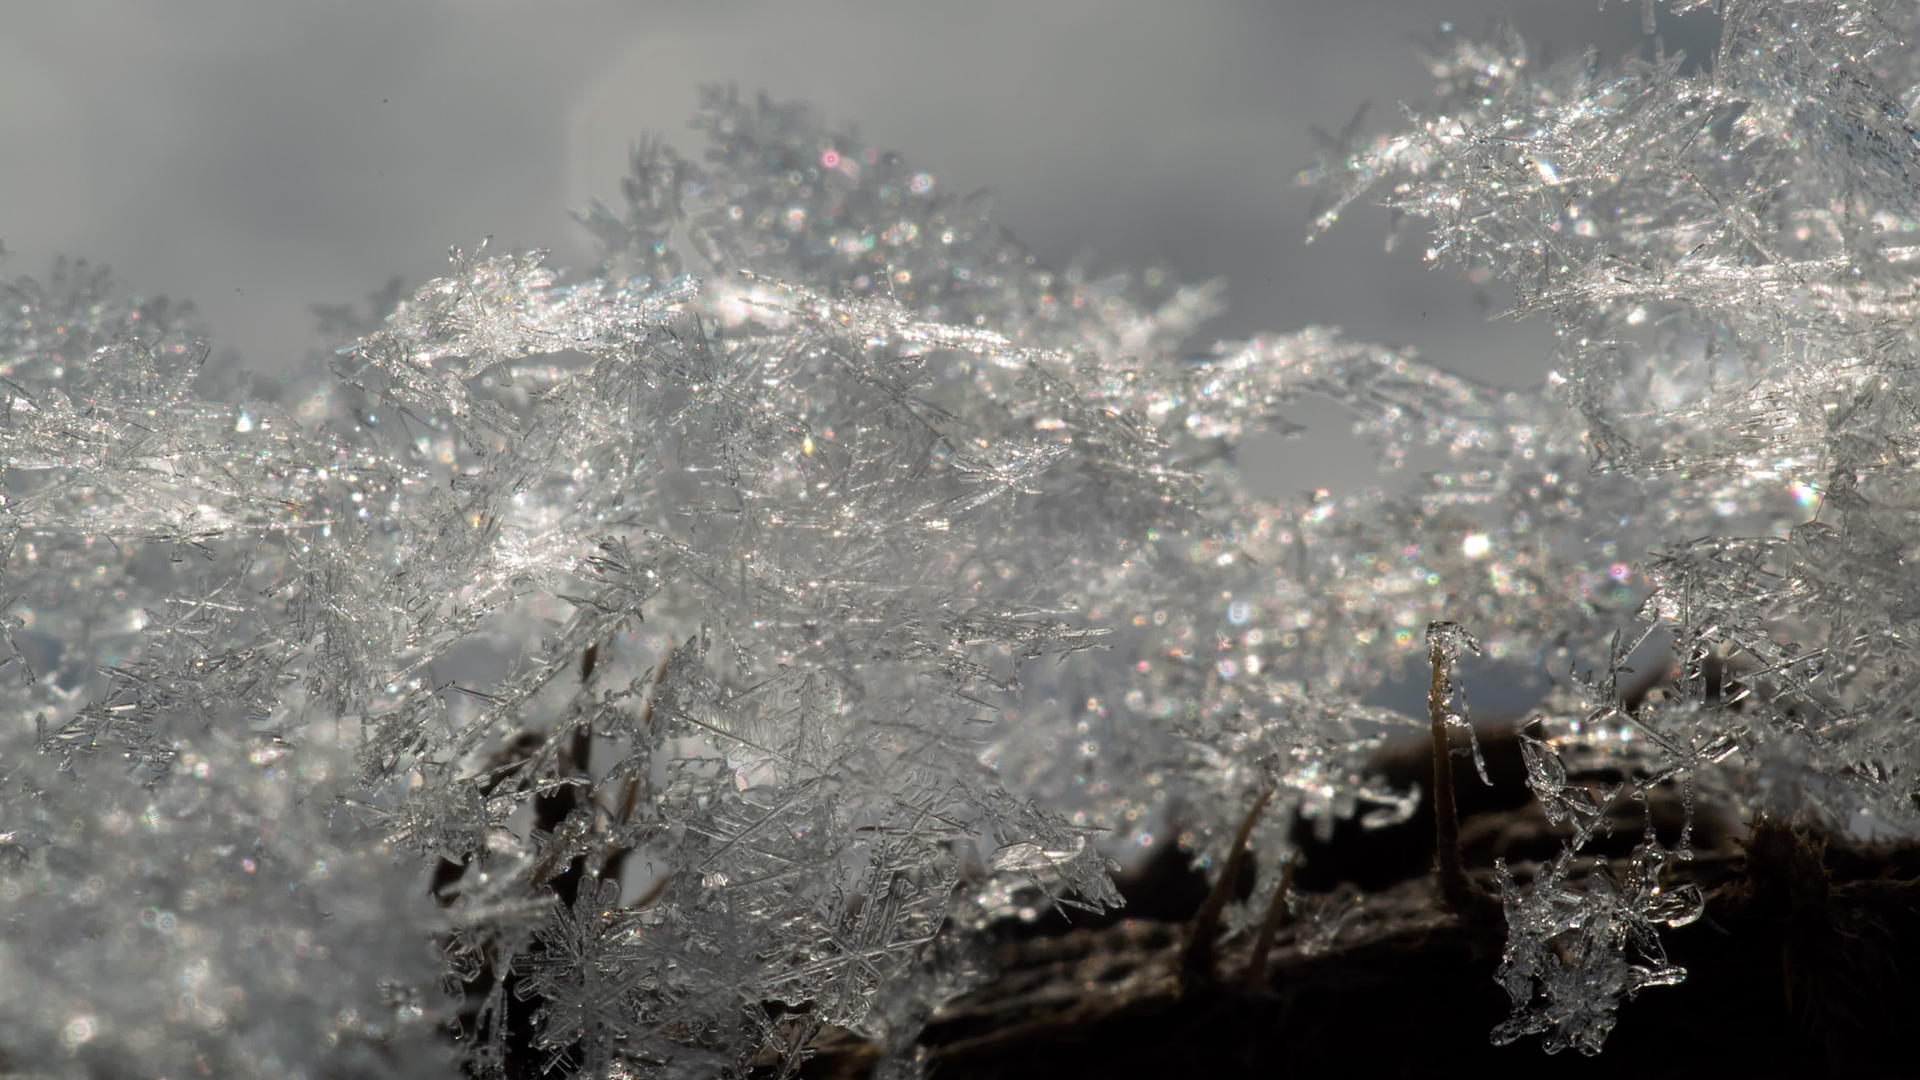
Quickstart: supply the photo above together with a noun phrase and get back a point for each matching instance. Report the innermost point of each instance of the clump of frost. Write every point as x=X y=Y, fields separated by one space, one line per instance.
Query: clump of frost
x=1725 y=251
x=228 y=921
x=725 y=634
x=1577 y=948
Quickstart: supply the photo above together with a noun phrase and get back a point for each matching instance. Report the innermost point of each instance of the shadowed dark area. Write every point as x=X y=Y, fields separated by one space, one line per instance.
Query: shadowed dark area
x=1804 y=965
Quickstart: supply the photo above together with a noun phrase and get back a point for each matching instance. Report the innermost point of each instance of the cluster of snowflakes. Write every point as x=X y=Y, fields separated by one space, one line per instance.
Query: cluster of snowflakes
x=1724 y=246
x=857 y=581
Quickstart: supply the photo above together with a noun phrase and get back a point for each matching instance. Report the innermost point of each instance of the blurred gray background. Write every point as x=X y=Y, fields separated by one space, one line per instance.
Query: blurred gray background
x=258 y=156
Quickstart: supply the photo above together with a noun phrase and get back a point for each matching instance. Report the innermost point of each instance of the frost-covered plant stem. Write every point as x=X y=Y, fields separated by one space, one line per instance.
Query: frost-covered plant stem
x=1255 y=973
x=1461 y=893
x=1199 y=964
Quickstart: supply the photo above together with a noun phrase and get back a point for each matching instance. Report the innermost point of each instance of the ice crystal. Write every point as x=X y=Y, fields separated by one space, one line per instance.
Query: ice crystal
x=1722 y=251
x=1576 y=951
x=695 y=652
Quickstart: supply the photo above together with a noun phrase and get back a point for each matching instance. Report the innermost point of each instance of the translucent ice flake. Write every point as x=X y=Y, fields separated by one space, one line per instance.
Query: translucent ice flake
x=1574 y=953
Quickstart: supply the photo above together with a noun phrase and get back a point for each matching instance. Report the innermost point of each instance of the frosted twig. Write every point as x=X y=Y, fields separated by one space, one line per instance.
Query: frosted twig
x=1460 y=892
x=1197 y=965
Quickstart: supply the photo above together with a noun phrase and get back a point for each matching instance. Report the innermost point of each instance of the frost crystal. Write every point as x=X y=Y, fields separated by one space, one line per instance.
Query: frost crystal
x=694 y=654
x=1724 y=252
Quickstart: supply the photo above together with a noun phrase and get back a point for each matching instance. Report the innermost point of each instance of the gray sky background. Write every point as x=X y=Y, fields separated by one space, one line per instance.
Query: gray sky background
x=258 y=156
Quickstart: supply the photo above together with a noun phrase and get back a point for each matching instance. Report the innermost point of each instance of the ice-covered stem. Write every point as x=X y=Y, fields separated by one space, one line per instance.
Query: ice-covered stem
x=1456 y=888
x=1256 y=970
x=1196 y=962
